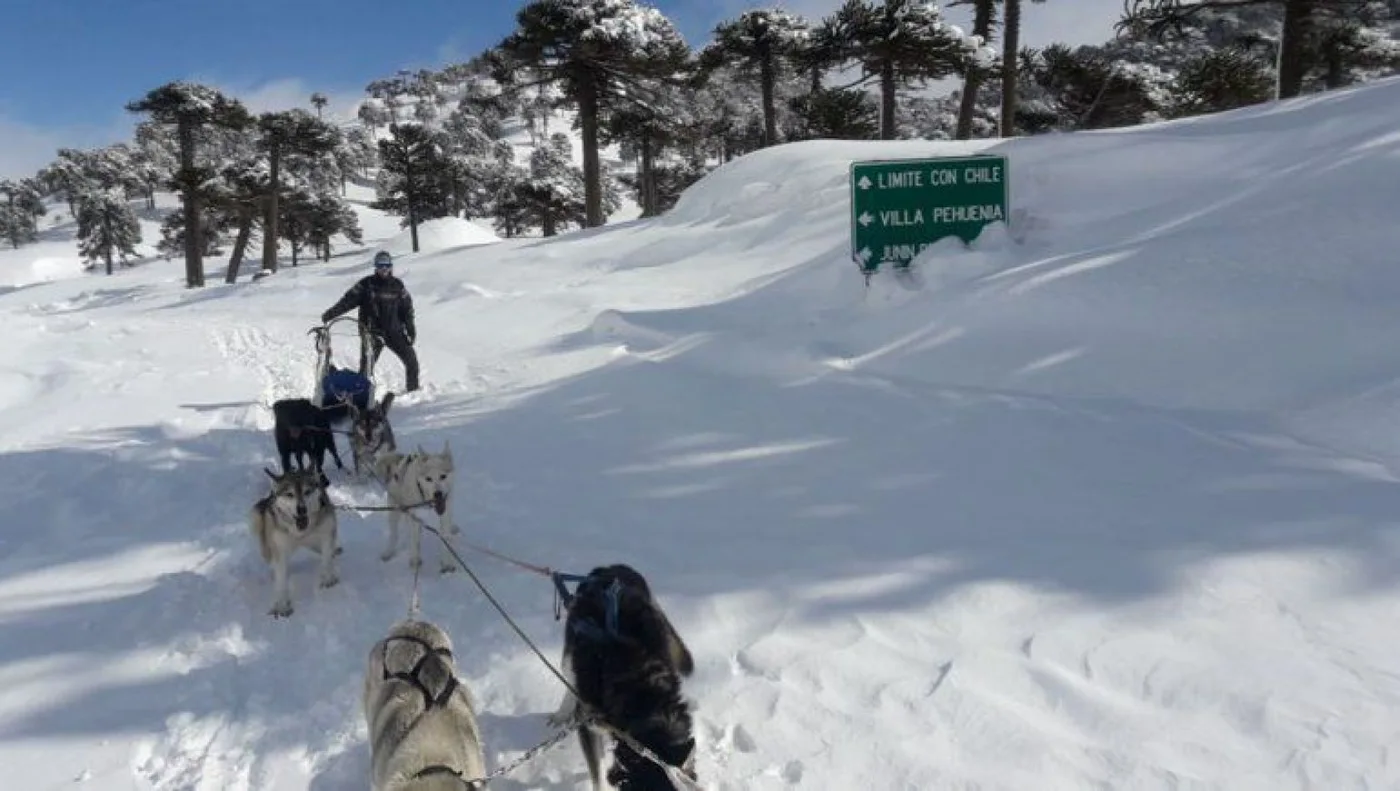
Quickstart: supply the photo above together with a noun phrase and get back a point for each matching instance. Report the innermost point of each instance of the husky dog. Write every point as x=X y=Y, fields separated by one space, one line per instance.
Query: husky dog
x=418 y=478
x=296 y=513
x=423 y=734
x=626 y=661
x=370 y=433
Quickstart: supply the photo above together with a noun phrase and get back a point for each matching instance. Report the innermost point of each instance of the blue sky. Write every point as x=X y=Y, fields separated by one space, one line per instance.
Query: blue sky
x=71 y=65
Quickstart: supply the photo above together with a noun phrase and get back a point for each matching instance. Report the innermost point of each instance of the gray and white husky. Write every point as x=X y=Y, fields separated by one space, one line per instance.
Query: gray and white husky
x=296 y=513
x=370 y=433
x=423 y=733
x=412 y=480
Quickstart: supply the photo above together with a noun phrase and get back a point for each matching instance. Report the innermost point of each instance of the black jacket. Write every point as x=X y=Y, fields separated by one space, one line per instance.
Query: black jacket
x=384 y=304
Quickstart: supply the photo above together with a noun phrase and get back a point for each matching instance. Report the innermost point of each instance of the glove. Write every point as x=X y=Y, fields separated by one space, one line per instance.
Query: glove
x=325 y=317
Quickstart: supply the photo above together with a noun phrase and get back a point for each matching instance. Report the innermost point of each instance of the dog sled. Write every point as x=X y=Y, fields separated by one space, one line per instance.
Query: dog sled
x=337 y=388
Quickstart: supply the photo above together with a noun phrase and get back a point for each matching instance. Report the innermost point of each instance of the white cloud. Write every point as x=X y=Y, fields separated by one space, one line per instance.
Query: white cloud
x=25 y=148
x=288 y=93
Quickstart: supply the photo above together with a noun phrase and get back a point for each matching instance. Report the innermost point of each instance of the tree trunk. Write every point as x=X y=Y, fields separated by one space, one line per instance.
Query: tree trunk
x=269 y=256
x=240 y=243
x=1011 y=42
x=648 y=178
x=14 y=223
x=194 y=229
x=548 y=227
x=410 y=195
x=887 y=100
x=592 y=168
x=107 y=240
x=151 y=197
x=1296 y=18
x=981 y=26
x=768 y=77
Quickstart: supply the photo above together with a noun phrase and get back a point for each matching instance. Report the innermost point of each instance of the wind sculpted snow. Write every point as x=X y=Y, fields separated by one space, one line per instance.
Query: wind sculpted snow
x=1108 y=502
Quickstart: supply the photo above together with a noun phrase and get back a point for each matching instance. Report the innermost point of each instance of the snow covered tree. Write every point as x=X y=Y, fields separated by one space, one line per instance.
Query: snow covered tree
x=374 y=113
x=242 y=188
x=293 y=132
x=1298 y=28
x=21 y=205
x=983 y=17
x=411 y=161
x=192 y=108
x=598 y=52
x=356 y=154
x=158 y=157
x=319 y=101
x=760 y=43
x=107 y=227
x=902 y=43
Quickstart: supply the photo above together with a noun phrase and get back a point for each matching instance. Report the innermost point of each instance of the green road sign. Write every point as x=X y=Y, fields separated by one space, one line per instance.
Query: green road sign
x=899 y=207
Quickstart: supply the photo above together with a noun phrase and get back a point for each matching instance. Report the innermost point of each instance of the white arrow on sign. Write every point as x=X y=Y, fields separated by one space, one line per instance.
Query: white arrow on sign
x=864 y=254
x=864 y=182
x=866 y=218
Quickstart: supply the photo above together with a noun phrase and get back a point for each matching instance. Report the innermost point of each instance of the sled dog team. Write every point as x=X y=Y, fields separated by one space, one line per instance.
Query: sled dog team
x=621 y=653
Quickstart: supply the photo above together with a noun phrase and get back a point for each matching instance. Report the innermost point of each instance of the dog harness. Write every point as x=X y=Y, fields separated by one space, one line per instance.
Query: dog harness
x=608 y=630
x=411 y=676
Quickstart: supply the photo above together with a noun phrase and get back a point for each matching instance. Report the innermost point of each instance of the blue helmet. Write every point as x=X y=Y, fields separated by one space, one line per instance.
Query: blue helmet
x=383 y=259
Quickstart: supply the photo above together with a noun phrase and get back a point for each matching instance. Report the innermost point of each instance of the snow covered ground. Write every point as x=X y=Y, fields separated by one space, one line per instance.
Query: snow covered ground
x=1114 y=507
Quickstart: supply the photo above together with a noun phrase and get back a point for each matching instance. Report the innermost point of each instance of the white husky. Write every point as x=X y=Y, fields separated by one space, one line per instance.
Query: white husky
x=423 y=733
x=296 y=513
x=412 y=480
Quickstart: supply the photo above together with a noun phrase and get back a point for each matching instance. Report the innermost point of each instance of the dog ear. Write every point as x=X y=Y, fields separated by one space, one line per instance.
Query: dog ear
x=274 y=476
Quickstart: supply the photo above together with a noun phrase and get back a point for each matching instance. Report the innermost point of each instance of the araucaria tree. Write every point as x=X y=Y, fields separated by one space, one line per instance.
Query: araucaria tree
x=192 y=109
x=107 y=227
x=599 y=52
x=901 y=43
x=760 y=42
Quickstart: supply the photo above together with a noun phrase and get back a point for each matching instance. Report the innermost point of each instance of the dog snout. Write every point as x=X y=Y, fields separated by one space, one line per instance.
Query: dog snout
x=301 y=518
x=439 y=502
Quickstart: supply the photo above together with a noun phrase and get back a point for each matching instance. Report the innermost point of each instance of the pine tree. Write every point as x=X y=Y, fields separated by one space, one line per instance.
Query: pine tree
x=107 y=227
x=760 y=42
x=319 y=101
x=192 y=108
x=411 y=160
x=293 y=132
x=902 y=43
x=599 y=52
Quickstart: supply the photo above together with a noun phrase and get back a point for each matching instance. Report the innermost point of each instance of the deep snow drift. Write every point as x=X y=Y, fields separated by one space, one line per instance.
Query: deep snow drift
x=1112 y=507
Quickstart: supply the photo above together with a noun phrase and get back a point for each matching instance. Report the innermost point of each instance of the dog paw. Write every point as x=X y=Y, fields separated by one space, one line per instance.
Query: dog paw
x=387 y=556
x=339 y=550
x=281 y=609
x=415 y=563
x=330 y=581
x=447 y=568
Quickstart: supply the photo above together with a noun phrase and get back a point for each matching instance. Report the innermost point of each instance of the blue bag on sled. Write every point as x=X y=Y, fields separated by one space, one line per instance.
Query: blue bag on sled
x=342 y=385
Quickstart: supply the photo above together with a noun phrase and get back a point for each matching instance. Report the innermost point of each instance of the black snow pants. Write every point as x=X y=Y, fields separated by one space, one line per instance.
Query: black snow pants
x=372 y=344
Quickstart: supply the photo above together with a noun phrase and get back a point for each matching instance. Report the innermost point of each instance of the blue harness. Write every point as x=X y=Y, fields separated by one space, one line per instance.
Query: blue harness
x=608 y=630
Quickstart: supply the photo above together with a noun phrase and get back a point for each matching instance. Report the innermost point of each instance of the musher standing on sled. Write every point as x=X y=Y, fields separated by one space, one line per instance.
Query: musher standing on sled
x=386 y=318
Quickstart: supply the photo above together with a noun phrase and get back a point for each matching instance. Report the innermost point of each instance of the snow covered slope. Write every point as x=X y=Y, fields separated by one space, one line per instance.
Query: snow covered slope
x=1113 y=507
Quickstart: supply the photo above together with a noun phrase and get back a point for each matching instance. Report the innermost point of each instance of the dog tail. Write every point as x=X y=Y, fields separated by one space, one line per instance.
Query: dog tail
x=257 y=525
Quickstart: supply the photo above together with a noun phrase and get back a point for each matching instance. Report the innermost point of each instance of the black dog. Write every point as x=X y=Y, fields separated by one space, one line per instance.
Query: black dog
x=627 y=662
x=303 y=429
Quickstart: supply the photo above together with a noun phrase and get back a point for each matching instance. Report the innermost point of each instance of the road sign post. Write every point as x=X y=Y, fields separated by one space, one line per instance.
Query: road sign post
x=900 y=207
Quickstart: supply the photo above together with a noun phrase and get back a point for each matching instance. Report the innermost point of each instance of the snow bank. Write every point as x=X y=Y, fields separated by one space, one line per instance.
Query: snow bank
x=444 y=233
